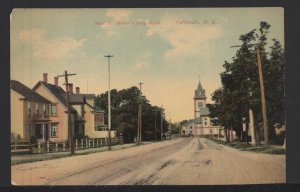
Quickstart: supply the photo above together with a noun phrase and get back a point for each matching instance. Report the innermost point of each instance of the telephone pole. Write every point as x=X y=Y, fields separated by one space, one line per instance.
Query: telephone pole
x=262 y=93
x=263 y=98
x=70 y=129
x=155 y=113
x=109 y=105
x=139 y=131
x=161 y=122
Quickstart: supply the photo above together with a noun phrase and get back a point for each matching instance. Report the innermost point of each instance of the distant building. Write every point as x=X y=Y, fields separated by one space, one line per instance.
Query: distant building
x=30 y=113
x=187 y=128
x=202 y=122
x=90 y=120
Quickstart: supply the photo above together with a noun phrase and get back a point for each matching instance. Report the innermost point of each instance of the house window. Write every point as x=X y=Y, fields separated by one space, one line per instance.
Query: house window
x=53 y=130
x=205 y=123
x=28 y=109
x=44 y=109
x=53 y=110
x=36 y=108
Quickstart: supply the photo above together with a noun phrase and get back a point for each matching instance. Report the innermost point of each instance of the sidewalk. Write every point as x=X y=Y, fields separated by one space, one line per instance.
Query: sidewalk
x=26 y=158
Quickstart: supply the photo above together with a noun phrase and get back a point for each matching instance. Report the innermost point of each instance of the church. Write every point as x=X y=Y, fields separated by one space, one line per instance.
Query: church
x=201 y=124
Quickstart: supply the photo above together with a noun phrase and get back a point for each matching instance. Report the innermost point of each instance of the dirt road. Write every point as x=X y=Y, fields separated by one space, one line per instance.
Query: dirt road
x=183 y=161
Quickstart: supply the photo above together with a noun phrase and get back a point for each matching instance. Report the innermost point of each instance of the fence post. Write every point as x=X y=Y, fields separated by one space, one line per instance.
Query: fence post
x=81 y=143
x=39 y=147
x=86 y=143
x=101 y=140
x=76 y=144
x=56 y=146
x=105 y=140
x=97 y=143
x=48 y=146
x=64 y=146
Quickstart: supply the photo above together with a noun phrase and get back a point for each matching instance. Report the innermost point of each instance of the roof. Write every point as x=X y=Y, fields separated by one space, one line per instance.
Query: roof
x=57 y=91
x=76 y=98
x=204 y=111
x=200 y=92
x=81 y=98
x=89 y=96
x=95 y=108
x=60 y=94
x=26 y=92
x=189 y=122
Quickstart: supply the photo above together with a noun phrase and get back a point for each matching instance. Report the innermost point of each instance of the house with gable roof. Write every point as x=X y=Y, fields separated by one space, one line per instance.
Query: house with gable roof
x=58 y=110
x=86 y=118
x=30 y=113
x=187 y=128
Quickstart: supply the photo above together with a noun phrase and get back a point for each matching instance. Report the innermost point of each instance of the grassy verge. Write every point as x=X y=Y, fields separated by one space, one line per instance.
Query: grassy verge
x=245 y=147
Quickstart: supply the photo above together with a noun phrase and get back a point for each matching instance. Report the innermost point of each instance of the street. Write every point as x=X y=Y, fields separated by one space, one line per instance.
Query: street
x=183 y=161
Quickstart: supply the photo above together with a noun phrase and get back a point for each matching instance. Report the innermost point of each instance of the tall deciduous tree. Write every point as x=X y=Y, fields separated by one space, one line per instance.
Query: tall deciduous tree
x=125 y=111
x=240 y=83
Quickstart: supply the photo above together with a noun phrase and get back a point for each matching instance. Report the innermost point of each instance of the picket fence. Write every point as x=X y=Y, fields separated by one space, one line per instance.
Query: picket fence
x=24 y=145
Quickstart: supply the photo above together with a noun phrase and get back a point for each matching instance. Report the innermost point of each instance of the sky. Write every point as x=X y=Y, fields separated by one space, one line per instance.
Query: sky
x=167 y=49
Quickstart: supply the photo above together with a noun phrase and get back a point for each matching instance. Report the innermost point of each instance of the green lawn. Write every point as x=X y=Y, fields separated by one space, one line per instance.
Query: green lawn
x=245 y=147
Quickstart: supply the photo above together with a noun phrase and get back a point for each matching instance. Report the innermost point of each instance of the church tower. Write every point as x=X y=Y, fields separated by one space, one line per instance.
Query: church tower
x=199 y=100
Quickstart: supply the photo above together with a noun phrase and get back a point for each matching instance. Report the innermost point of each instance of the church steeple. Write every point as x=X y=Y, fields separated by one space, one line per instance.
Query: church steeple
x=200 y=92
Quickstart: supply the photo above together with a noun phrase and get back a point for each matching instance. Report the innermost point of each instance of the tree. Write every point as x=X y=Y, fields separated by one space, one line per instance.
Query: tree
x=240 y=83
x=124 y=114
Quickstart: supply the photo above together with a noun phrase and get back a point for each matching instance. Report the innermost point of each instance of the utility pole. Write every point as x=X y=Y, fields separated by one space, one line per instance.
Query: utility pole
x=109 y=104
x=263 y=98
x=70 y=130
x=139 y=132
x=161 y=122
x=155 y=113
x=170 y=125
x=262 y=93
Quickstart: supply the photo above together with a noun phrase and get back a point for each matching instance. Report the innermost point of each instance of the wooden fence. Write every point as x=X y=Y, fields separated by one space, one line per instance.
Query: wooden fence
x=21 y=145
x=18 y=146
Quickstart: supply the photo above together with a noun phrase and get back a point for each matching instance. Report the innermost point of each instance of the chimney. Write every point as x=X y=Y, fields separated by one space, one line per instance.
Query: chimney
x=45 y=77
x=56 y=81
x=71 y=87
x=77 y=90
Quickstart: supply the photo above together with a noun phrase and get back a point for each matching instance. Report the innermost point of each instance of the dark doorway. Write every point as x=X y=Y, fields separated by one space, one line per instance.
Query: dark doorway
x=38 y=131
x=46 y=132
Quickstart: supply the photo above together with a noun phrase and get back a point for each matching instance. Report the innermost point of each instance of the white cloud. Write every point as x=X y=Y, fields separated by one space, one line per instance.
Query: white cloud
x=187 y=40
x=50 y=49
